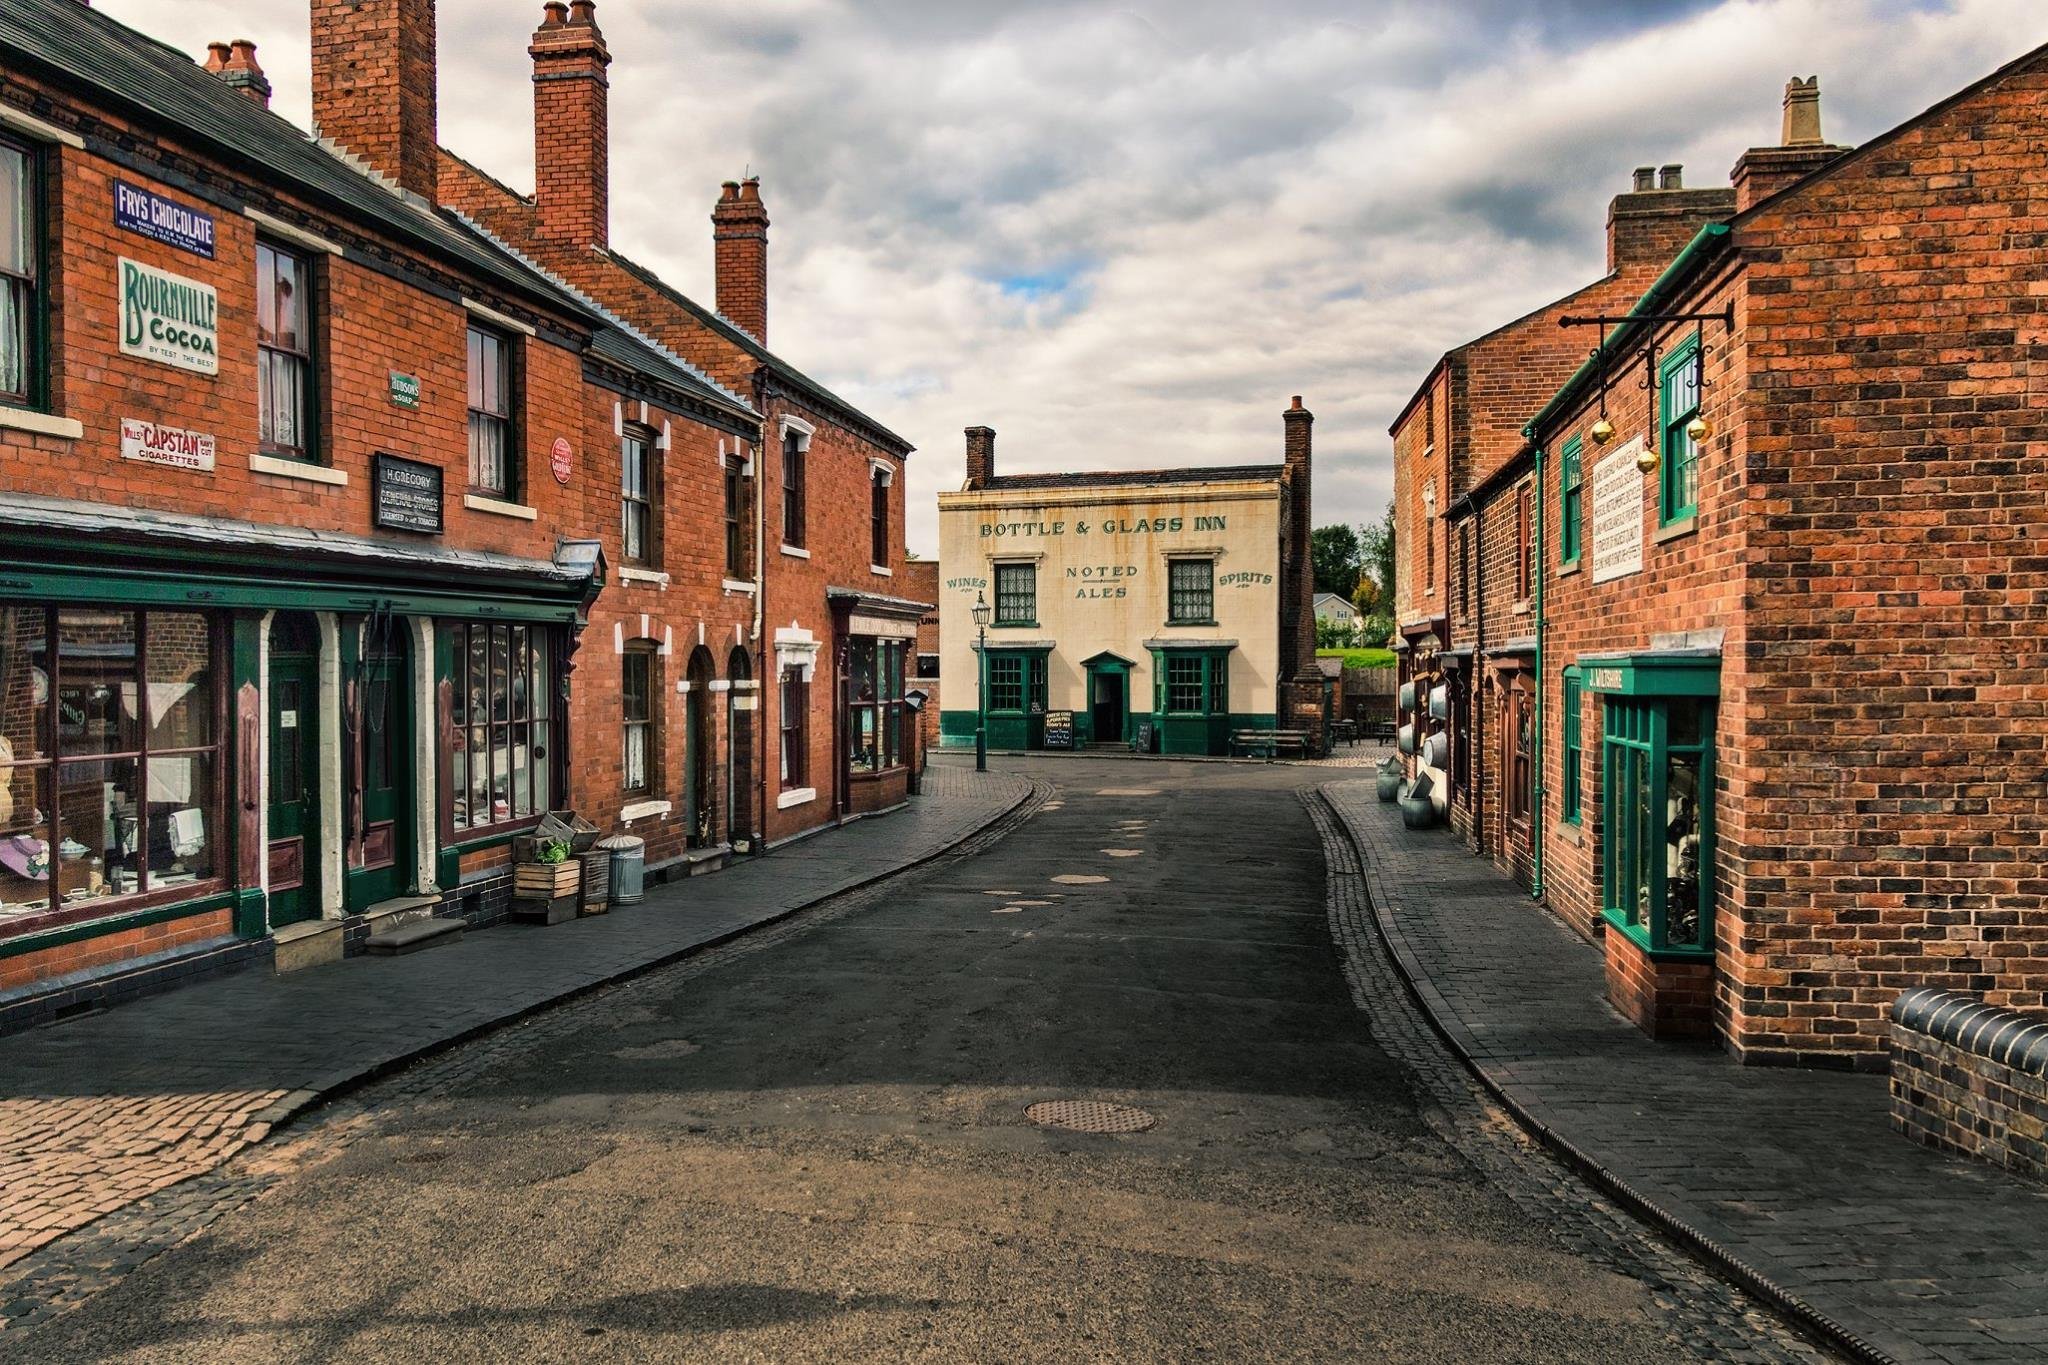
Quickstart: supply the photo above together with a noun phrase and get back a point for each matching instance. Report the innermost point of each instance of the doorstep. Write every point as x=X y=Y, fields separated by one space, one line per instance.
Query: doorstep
x=311 y=943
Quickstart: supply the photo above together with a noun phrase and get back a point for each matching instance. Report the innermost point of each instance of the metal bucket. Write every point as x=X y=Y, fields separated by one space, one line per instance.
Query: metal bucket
x=629 y=868
x=1389 y=785
x=1418 y=811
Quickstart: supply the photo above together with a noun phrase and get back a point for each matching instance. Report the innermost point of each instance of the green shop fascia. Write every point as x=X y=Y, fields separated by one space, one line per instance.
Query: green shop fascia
x=200 y=714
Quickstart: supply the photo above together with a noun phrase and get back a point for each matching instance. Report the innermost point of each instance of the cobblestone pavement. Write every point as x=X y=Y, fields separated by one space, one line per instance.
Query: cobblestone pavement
x=101 y=1112
x=586 y=1173
x=1794 y=1176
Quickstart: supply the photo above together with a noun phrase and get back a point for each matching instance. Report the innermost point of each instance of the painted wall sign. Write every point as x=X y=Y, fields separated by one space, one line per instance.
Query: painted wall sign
x=562 y=460
x=1618 y=514
x=154 y=444
x=407 y=495
x=169 y=319
x=1108 y=526
x=967 y=584
x=405 y=389
x=151 y=215
x=1604 y=680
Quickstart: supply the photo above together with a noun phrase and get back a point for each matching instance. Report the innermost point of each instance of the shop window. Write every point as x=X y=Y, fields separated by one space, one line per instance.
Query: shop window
x=878 y=516
x=1016 y=594
x=1522 y=574
x=636 y=495
x=1574 y=758
x=110 y=759
x=637 y=692
x=1191 y=592
x=1679 y=402
x=21 y=247
x=1656 y=809
x=501 y=771
x=796 y=446
x=1016 y=683
x=796 y=708
x=735 y=522
x=285 y=385
x=875 y=710
x=1194 y=683
x=1569 y=481
x=493 y=459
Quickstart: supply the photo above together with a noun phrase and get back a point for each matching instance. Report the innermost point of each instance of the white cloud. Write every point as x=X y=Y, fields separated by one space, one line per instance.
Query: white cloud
x=1198 y=208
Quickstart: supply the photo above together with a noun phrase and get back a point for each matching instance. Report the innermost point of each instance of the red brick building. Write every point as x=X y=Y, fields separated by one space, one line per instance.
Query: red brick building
x=820 y=516
x=1788 y=713
x=344 y=537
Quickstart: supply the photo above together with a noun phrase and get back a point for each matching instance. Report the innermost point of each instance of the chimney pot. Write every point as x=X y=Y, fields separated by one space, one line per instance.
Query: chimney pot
x=554 y=14
x=216 y=57
x=583 y=13
x=1801 y=124
x=1645 y=178
x=1671 y=177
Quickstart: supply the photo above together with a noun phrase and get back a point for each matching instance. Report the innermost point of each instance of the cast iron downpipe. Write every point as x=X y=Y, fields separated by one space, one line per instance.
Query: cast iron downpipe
x=1536 y=815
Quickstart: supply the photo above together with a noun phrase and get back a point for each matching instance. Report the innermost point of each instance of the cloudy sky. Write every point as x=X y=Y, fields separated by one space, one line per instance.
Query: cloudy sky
x=1124 y=234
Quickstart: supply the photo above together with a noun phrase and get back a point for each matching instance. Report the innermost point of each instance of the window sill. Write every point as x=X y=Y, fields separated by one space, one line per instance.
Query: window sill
x=1191 y=623
x=799 y=796
x=1684 y=526
x=645 y=810
x=880 y=572
x=301 y=470
x=1521 y=608
x=41 y=423
x=796 y=552
x=1640 y=936
x=1569 y=831
x=1013 y=625
x=498 y=507
x=739 y=585
x=629 y=574
x=1568 y=568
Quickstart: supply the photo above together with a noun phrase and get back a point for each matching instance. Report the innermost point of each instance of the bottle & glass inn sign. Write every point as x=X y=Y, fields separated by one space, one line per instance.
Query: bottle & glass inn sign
x=169 y=319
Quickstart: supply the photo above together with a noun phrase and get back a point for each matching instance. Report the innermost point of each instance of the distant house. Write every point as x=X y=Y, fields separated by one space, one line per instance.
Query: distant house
x=1332 y=608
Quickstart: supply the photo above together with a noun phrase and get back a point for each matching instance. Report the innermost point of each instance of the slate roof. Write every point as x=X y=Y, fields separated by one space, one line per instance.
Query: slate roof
x=1107 y=478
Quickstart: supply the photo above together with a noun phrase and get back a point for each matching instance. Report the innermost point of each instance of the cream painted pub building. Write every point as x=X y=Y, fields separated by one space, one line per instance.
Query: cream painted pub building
x=1163 y=608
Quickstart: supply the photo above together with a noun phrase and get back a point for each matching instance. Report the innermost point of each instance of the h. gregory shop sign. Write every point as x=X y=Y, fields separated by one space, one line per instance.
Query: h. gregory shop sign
x=169 y=319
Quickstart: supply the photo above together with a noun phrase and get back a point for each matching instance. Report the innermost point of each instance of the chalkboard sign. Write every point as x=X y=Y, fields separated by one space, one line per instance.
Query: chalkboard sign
x=1059 y=729
x=1141 y=742
x=407 y=495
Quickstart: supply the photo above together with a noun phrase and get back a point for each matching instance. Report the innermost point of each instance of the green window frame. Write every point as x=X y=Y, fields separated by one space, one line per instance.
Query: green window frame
x=1016 y=683
x=1570 y=478
x=1574 y=752
x=1191 y=683
x=1678 y=400
x=24 y=226
x=1658 y=822
x=1017 y=594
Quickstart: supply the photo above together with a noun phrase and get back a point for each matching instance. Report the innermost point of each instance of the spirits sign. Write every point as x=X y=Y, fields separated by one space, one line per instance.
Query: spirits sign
x=407 y=495
x=1618 y=514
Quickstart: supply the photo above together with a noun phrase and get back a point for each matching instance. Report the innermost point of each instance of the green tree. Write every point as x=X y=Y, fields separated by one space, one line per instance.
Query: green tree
x=1376 y=557
x=1333 y=550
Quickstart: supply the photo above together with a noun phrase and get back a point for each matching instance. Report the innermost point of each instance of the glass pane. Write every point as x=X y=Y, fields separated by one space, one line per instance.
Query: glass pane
x=522 y=670
x=17 y=213
x=501 y=673
x=1682 y=900
x=24 y=842
x=14 y=337
x=522 y=772
x=542 y=687
x=100 y=828
x=636 y=756
x=543 y=789
x=458 y=779
x=459 y=647
x=501 y=774
x=479 y=778
x=179 y=675
x=96 y=702
x=180 y=818
x=290 y=302
x=1643 y=839
x=476 y=368
x=861 y=666
x=24 y=684
x=266 y=294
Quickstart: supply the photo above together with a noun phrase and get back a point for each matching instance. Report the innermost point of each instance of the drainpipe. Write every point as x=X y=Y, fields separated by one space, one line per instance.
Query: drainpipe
x=758 y=797
x=1536 y=758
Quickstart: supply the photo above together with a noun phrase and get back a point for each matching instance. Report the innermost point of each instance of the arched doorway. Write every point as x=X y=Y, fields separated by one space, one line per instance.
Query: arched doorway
x=293 y=818
x=740 y=702
x=700 y=757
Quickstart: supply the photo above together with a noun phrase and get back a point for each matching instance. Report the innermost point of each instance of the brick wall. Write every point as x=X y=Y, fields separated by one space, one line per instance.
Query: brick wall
x=1971 y=1078
x=1663 y=999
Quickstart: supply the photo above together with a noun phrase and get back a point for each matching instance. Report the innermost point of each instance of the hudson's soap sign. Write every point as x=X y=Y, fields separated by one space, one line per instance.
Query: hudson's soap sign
x=169 y=319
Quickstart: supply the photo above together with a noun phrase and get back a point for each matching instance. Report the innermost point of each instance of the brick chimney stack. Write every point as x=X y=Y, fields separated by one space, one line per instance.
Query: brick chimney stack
x=1763 y=171
x=1297 y=610
x=981 y=456
x=1647 y=226
x=235 y=64
x=739 y=233
x=374 y=86
x=572 y=125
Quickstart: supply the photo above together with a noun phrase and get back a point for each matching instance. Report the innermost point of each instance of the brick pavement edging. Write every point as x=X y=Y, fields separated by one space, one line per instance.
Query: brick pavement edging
x=1454 y=1033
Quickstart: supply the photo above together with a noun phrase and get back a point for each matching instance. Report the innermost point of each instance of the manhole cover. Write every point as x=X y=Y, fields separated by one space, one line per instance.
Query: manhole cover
x=1089 y=1116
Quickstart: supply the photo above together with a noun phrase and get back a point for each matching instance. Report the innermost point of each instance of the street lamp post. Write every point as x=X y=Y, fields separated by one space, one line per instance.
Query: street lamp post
x=981 y=615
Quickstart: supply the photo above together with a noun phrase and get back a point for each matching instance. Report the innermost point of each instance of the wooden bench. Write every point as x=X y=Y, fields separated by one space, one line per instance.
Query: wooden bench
x=1268 y=743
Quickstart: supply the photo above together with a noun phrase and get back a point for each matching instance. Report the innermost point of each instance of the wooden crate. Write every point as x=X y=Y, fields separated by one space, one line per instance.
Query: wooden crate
x=546 y=881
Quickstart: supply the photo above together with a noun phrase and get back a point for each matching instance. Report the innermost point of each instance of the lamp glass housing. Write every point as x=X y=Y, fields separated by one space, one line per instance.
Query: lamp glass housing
x=981 y=610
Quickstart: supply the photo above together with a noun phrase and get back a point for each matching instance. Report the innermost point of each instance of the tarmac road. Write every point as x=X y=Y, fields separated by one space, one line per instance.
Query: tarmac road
x=817 y=1149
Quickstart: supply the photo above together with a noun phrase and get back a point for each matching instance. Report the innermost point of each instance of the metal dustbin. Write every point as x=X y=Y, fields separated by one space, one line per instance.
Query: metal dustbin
x=629 y=868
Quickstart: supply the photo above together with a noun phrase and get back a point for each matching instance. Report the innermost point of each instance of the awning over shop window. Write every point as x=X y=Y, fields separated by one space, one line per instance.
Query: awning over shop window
x=1653 y=673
